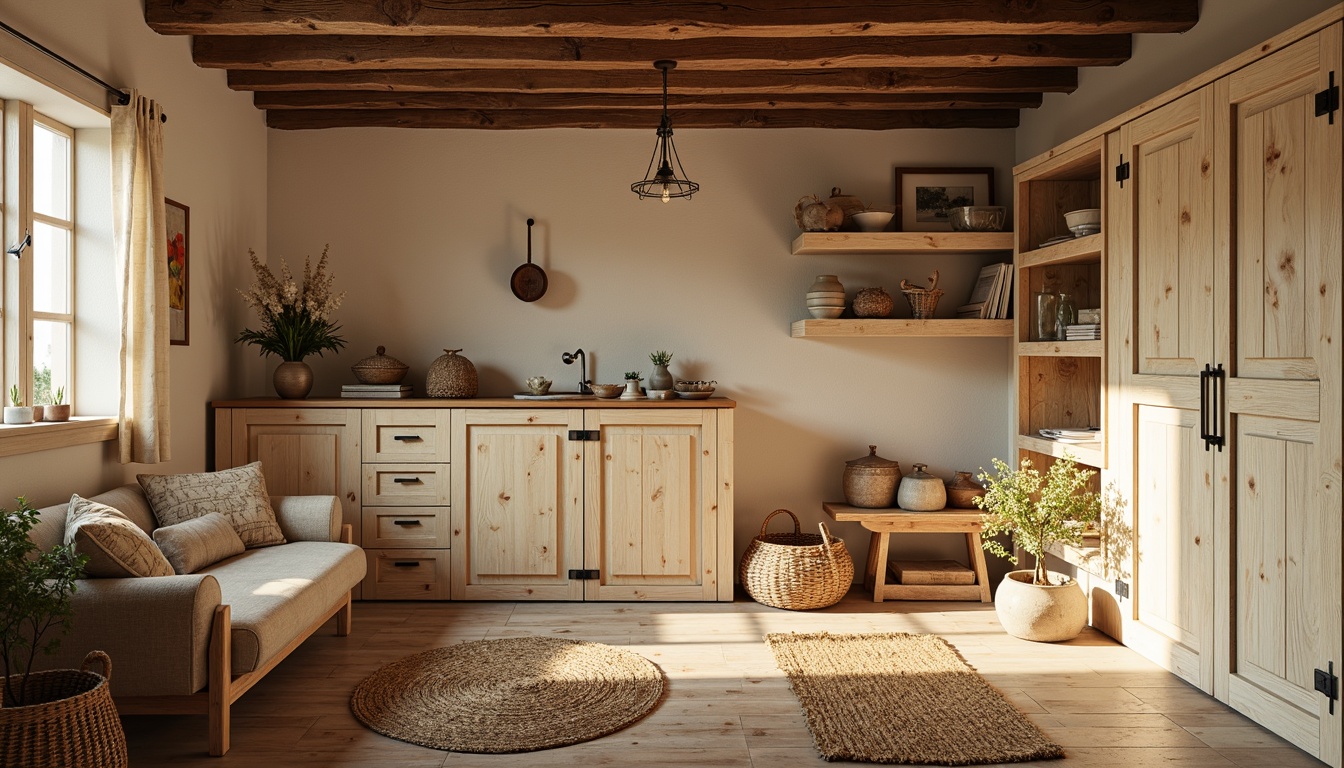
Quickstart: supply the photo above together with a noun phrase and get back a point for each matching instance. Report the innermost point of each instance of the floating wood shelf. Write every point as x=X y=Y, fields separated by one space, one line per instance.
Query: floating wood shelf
x=1091 y=456
x=902 y=327
x=1059 y=349
x=1080 y=250
x=815 y=243
x=1088 y=557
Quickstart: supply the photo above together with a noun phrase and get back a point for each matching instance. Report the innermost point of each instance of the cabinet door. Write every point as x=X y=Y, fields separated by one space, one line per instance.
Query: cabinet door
x=650 y=505
x=1163 y=276
x=303 y=452
x=517 y=504
x=1284 y=393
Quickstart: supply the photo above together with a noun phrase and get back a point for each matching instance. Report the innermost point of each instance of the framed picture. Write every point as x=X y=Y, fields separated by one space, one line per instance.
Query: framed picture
x=923 y=195
x=178 y=217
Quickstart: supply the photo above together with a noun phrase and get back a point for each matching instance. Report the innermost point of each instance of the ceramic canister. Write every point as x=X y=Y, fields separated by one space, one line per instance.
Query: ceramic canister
x=870 y=481
x=921 y=492
x=962 y=491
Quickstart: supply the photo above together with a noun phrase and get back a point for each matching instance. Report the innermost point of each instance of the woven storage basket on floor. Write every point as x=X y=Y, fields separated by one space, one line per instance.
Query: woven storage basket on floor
x=798 y=571
x=74 y=723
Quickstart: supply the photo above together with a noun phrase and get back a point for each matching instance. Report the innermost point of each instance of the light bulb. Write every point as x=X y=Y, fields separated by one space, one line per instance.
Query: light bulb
x=667 y=193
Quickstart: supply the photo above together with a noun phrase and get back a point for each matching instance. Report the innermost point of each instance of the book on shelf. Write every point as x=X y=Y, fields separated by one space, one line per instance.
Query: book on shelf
x=1086 y=437
x=1082 y=332
x=989 y=296
x=377 y=390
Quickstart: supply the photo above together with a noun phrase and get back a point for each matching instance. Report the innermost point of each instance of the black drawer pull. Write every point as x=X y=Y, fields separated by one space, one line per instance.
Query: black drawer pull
x=406 y=563
x=406 y=522
x=405 y=480
x=407 y=438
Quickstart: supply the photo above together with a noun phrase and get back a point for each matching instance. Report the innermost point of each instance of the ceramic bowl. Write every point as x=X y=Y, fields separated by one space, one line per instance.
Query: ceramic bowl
x=825 y=302
x=826 y=313
x=538 y=385
x=1083 y=217
x=872 y=221
x=608 y=390
x=661 y=394
x=977 y=218
x=695 y=386
x=825 y=294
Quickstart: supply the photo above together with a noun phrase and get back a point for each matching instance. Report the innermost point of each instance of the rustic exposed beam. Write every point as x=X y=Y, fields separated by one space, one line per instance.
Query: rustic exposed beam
x=335 y=52
x=740 y=101
x=669 y=19
x=913 y=80
x=510 y=119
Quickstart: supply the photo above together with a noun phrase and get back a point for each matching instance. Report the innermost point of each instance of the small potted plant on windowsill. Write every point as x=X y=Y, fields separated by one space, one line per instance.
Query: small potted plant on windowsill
x=1039 y=511
x=59 y=410
x=16 y=412
x=632 y=379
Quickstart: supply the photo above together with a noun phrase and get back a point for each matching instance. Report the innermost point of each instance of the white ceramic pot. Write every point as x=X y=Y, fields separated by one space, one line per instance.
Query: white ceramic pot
x=22 y=414
x=1045 y=614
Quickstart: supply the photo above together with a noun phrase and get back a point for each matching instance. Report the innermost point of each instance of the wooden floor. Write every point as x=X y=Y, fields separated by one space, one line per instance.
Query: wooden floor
x=726 y=703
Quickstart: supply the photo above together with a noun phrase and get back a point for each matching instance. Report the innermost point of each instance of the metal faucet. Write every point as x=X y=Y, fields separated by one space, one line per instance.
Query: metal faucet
x=568 y=358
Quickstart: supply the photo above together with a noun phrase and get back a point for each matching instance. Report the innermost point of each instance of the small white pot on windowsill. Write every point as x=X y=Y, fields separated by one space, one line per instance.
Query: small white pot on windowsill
x=21 y=414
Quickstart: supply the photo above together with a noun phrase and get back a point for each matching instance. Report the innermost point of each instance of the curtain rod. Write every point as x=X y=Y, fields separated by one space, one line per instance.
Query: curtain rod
x=123 y=98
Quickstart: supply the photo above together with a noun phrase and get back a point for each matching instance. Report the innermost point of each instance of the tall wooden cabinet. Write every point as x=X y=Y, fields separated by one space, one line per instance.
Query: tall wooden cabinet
x=1223 y=383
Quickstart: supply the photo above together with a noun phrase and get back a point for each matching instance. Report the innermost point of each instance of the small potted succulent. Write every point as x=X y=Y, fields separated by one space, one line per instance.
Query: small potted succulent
x=660 y=379
x=1038 y=511
x=59 y=410
x=632 y=379
x=16 y=412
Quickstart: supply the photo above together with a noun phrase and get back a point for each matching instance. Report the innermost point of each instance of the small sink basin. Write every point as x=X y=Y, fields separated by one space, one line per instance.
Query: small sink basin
x=554 y=396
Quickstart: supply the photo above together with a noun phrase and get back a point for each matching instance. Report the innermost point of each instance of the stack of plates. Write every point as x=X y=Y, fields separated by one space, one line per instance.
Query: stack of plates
x=826 y=304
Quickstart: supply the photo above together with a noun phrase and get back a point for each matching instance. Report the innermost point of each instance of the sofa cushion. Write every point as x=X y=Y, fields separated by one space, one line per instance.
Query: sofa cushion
x=194 y=544
x=239 y=494
x=128 y=500
x=115 y=546
x=275 y=594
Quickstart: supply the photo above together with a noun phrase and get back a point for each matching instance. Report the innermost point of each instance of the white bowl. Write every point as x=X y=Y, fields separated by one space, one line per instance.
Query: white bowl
x=872 y=221
x=1083 y=217
x=825 y=294
x=826 y=313
x=825 y=302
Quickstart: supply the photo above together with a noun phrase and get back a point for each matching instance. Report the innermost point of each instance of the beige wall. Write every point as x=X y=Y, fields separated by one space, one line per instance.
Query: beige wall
x=215 y=156
x=426 y=228
x=1225 y=29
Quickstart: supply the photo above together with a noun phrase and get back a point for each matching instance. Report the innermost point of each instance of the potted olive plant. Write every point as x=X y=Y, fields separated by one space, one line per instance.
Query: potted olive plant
x=1039 y=511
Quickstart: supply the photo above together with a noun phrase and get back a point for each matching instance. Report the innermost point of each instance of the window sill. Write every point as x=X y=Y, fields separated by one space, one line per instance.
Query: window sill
x=18 y=439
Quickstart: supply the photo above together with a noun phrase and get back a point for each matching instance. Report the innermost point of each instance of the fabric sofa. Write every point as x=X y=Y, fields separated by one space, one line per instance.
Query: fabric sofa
x=195 y=643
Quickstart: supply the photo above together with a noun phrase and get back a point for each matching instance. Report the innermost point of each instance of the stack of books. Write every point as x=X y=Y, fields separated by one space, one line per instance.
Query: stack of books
x=1088 y=437
x=376 y=390
x=990 y=298
x=1082 y=332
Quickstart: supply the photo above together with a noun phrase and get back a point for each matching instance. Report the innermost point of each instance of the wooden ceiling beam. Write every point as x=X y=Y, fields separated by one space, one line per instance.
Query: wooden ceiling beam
x=338 y=52
x=669 y=19
x=513 y=119
x=534 y=101
x=878 y=80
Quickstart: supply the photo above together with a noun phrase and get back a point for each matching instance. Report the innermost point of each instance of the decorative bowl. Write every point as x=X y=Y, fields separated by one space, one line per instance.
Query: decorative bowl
x=826 y=313
x=872 y=221
x=1083 y=217
x=696 y=395
x=977 y=218
x=695 y=386
x=825 y=302
x=538 y=385
x=380 y=368
x=607 y=390
x=825 y=294
x=661 y=394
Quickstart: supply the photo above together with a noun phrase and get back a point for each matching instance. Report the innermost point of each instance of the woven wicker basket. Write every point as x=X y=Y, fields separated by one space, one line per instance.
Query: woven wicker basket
x=923 y=301
x=798 y=571
x=73 y=724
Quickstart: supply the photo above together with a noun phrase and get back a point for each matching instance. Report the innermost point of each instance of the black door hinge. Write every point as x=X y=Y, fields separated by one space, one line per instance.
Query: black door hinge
x=1327 y=101
x=581 y=435
x=1122 y=171
x=1121 y=588
x=1328 y=684
x=582 y=575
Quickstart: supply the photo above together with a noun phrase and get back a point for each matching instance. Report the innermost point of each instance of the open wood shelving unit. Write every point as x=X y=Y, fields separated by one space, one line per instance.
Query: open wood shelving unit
x=868 y=326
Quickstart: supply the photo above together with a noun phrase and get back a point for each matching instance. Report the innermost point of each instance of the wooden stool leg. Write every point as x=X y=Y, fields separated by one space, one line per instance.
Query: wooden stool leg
x=977 y=554
x=880 y=564
x=870 y=569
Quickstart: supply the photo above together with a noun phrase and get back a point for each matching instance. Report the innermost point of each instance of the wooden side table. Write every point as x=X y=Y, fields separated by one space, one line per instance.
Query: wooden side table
x=884 y=522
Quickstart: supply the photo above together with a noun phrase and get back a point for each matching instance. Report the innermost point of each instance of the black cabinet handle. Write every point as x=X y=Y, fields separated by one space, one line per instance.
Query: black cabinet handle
x=405 y=522
x=405 y=480
x=407 y=438
x=406 y=563
x=1204 y=405
x=1216 y=378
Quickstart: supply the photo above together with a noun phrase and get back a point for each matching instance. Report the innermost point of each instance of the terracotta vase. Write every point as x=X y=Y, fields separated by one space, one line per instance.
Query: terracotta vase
x=293 y=380
x=56 y=412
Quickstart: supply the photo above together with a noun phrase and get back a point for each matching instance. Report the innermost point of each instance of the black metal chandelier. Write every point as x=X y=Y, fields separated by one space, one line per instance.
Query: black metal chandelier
x=664 y=183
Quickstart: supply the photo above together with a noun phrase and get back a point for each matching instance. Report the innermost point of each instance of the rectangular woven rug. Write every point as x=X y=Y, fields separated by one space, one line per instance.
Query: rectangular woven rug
x=900 y=698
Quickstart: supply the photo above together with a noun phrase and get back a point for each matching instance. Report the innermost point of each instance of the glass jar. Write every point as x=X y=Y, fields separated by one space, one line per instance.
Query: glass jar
x=1066 y=314
x=1046 y=307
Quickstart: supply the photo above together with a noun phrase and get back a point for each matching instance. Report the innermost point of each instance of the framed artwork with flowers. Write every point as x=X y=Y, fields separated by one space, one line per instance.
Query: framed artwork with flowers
x=178 y=217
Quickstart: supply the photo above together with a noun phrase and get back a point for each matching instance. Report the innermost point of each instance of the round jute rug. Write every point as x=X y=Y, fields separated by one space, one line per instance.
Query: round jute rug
x=513 y=695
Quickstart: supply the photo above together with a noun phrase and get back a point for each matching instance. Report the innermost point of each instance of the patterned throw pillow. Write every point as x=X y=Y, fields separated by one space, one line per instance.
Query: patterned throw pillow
x=238 y=494
x=115 y=546
x=194 y=544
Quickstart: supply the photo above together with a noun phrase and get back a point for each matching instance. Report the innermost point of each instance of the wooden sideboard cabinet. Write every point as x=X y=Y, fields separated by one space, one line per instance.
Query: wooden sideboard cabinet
x=510 y=500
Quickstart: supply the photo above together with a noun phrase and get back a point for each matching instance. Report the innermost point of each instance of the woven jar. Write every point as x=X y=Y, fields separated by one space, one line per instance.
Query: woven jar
x=873 y=302
x=870 y=482
x=72 y=721
x=451 y=375
x=380 y=369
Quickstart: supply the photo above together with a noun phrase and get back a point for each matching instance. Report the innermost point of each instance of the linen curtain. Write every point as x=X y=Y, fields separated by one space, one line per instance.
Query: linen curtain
x=140 y=242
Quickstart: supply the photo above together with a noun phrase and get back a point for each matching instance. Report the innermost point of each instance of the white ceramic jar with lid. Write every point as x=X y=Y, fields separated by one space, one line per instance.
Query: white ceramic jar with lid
x=921 y=491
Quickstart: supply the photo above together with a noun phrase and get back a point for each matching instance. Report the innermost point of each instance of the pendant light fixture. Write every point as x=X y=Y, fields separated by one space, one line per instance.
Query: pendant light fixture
x=664 y=183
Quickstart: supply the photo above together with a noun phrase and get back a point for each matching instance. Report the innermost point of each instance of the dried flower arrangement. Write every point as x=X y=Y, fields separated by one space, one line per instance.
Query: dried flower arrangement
x=295 y=321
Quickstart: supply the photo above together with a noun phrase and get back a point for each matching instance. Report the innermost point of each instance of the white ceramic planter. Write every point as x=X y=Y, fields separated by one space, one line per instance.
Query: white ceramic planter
x=22 y=414
x=1046 y=614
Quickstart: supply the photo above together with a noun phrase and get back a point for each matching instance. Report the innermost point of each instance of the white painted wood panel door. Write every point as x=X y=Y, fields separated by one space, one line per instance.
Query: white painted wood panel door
x=650 y=504
x=1284 y=392
x=517 y=504
x=1163 y=278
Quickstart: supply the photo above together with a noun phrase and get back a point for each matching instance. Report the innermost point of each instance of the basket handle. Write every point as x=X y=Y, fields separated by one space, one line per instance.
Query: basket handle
x=826 y=539
x=101 y=658
x=796 y=527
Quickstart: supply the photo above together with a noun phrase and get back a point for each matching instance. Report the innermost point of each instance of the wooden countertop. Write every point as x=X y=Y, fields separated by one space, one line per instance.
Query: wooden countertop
x=475 y=402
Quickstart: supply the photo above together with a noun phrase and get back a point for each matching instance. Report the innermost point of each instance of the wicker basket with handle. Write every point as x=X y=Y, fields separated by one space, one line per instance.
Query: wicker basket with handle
x=798 y=571
x=923 y=301
x=73 y=722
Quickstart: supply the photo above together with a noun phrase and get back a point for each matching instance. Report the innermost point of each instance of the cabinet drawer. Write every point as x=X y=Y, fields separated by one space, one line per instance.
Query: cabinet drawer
x=406 y=574
x=406 y=435
x=405 y=527
x=406 y=485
